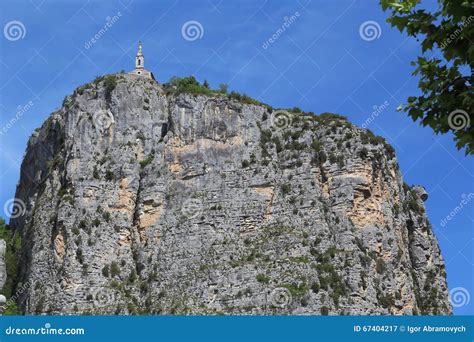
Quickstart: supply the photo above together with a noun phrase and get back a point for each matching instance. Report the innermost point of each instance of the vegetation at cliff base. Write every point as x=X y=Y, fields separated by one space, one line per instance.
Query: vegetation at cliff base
x=11 y=263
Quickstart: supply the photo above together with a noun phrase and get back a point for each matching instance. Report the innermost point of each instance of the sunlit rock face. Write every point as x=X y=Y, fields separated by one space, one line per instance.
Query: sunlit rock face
x=143 y=201
x=3 y=268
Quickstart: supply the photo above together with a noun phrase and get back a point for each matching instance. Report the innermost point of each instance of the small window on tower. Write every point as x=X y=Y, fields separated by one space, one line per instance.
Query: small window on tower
x=139 y=62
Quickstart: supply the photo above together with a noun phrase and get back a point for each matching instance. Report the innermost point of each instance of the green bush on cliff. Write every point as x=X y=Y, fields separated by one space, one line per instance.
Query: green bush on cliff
x=190 y=85
x=187 y=85
x=262 y=278
x=110 y=82
x=11 y=262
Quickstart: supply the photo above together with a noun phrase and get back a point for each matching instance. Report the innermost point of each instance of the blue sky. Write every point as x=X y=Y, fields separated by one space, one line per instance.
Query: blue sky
x=320 y=63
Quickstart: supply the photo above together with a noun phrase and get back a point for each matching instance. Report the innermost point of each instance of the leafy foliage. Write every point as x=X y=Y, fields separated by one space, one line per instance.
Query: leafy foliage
x=446 y=84
x=297 y=289
x=147 y=160
x=110 y=82
x=105 y=271
x=262 y=278
x=114 y=269
x=190 y=85
x=13 y=243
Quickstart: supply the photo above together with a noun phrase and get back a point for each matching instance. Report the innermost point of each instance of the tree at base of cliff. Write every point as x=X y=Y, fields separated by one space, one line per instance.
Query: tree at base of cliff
x=446 y=102
x=11 y=262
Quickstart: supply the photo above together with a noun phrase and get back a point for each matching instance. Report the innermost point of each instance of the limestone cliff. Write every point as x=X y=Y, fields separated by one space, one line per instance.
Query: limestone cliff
x=141 y=199
x=3 y=268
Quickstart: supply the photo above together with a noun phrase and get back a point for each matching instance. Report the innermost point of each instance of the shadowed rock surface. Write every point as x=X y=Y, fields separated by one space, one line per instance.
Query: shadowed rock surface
x=141 y=200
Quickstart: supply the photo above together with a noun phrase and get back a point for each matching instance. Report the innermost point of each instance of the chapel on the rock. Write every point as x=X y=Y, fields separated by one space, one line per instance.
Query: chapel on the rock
x=140 y=64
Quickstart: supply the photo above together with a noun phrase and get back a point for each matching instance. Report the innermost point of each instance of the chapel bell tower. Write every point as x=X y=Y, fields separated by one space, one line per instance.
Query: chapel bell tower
x=140 y=64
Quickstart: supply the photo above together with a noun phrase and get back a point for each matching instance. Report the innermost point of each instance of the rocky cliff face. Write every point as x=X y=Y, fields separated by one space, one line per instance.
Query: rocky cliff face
x=146 y=201
x=3 y=268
